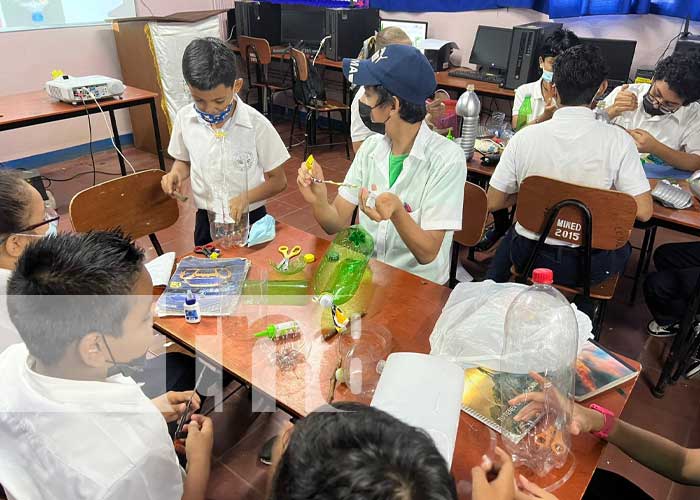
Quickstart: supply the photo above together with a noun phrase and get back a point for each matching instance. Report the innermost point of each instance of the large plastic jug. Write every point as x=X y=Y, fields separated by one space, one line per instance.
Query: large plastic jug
x=537 y=368
x=469 y=108
x=341 y=269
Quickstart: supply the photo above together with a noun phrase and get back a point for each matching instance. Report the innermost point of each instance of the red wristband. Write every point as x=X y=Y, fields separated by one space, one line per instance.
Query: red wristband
x=607 y=425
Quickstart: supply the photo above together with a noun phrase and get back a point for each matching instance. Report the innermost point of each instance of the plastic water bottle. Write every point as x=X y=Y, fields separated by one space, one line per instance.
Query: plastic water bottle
x=469 y=108
x=601 y=113
x=539 y=356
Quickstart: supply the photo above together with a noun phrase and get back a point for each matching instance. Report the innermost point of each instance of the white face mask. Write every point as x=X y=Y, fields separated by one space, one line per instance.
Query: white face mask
x=547 y=76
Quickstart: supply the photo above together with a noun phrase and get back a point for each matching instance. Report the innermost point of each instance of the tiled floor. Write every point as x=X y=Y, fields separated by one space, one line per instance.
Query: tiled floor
x=238 y=475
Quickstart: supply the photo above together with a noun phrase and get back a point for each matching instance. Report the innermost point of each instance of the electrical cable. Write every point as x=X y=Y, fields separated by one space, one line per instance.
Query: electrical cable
x=92 y=155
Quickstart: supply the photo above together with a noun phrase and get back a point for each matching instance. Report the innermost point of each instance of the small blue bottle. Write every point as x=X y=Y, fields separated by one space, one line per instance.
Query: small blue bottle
x=192 y=311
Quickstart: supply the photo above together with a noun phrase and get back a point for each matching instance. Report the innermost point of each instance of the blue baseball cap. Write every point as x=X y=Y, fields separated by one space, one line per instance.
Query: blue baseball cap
x=401 y=69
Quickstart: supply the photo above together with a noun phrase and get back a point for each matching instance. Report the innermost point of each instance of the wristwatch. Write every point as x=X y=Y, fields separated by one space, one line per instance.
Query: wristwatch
x=609 y=421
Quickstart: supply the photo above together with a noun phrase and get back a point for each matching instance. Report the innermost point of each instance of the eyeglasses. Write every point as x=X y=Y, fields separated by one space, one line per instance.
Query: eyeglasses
x=659 y=103
x=50 y=215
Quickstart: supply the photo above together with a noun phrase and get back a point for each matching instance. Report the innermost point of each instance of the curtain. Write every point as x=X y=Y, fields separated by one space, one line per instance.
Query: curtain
x=555 y=8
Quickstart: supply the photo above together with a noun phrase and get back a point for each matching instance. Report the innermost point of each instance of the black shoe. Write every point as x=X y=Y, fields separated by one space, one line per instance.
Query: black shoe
x=489 y=239
x=661 y=331
x=266 y=451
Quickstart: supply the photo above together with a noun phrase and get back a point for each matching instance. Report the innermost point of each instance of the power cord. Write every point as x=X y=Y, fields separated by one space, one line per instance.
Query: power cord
x=92 y=155
x=669 y=43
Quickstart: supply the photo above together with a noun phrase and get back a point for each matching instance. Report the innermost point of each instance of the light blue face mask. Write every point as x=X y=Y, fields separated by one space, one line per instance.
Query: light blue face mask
x=547 y=76
x=214 y=119
x=262 y=231
x=53 y=229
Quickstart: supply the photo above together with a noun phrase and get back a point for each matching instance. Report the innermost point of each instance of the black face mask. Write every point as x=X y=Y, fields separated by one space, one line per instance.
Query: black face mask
x=649 y=107
x=132 y=368
x=366 y=115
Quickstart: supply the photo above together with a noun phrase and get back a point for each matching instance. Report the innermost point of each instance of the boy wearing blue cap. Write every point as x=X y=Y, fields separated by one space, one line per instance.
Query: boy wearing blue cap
x=415 y=175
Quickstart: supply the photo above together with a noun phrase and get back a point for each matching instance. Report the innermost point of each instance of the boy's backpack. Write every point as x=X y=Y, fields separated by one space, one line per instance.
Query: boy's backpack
x=312 y=91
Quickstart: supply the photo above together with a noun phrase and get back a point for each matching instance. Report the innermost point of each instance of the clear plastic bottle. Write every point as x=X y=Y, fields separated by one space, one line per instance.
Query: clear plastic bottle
x=469 y=108
x=538 y=360
x=601 y=114
x=341 y=270
x=232 y=183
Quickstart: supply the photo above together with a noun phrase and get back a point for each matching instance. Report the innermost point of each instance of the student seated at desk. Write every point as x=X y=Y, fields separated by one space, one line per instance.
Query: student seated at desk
x=82 y=304
x=23 y=219
x=217 y=137
x=418 y=175
x=663 y=117
x=358 y=452
x=572 y=147
x=361 y=124
x=534 y=103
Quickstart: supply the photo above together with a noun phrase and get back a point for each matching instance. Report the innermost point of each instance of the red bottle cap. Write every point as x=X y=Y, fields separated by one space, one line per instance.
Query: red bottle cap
x=543 y=276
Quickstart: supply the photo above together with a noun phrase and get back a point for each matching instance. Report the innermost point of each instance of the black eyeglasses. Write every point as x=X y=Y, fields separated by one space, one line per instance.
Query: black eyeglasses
x=664 y=106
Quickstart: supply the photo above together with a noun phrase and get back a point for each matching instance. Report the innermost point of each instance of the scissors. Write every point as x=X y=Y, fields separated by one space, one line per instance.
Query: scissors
x=288 y=255
x=208 y=250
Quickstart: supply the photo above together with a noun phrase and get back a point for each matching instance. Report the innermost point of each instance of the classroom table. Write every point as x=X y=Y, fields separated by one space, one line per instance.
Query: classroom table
x=407 y=305
x=35 y=107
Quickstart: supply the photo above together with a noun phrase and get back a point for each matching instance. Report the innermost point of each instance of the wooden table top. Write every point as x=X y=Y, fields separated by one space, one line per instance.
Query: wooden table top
x=27 y=106
x=493 y=89
x=406 y=305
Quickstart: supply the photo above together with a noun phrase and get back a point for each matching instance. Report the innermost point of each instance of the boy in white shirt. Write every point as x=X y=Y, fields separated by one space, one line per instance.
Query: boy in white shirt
x=663 y=117
x=572 y=147
x=418 y=174
x=219 y=139
x=82 y=304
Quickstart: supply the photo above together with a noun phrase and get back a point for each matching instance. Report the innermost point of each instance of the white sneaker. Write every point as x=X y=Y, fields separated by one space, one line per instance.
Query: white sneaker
x=661 y=331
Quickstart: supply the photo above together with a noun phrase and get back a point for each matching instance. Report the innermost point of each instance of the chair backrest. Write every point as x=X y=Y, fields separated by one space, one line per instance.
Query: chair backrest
x=300 y=65
x=473 y=215
x=243 y=45
x=135 y=203
x=612 y=212
x=261 y=49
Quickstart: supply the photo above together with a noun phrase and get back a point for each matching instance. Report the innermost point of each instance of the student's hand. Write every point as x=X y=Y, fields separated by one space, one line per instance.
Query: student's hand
x=312 y=192
x=436 y=107
x=200 y=438
x=171 y=184
x=530 y=491
x=549 y=110
x=386 y=205
x=500 y=488
x=625 y=100
x=644 y=140
x=237 y=207
x=172 y=404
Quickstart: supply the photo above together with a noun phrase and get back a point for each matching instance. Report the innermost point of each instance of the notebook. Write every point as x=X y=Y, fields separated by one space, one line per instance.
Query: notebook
x=598 y=370
x=482 y=400
x=217 y=284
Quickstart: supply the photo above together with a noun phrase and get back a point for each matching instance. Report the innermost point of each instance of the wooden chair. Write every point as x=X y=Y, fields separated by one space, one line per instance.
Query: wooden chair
x=598 y=219
x=300 y=73
x=256 y=52
x=473 y=220
x=134 y=203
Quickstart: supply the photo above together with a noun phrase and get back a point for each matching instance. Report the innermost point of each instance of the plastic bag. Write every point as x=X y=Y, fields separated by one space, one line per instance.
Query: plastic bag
x=470 y=330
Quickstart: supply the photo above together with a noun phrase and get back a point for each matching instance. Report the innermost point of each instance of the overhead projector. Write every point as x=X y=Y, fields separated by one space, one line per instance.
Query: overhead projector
x=75 y=90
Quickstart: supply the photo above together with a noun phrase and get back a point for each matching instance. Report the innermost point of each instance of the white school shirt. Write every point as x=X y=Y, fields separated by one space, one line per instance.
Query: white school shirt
x=68 y=439
x=216 y=155
x=431 y=183
x=8 y=332
x=534 y=91
x=358 y=130
x=679 y=131
x=572 y=147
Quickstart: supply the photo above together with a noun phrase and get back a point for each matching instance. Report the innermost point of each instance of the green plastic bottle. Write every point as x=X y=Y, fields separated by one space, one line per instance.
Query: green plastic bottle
x=524 y=113
x=340 y=272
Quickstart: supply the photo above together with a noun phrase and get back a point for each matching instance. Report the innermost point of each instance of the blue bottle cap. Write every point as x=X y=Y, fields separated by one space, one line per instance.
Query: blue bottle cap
x=190 y=300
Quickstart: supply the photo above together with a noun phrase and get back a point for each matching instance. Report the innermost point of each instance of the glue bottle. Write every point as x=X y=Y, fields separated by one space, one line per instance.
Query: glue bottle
x=192 y=310
x=280 y=331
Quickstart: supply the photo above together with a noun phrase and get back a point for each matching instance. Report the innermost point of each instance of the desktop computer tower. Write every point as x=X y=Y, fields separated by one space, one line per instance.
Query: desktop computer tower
x=348 y=28
x=259 y=20
x=525 y=46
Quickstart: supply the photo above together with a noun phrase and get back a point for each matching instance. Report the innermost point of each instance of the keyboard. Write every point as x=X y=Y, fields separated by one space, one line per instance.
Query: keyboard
x=469 y=74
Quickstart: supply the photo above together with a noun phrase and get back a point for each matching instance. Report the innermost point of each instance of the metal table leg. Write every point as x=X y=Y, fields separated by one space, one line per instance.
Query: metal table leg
x=117 y=142
x=156 y=131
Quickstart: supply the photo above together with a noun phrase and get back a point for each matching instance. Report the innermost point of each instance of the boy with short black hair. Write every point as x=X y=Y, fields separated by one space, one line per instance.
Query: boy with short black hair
x=663 y=117
x=359 y=452
x=82 y=304
x=218 y=139
x=572 y=147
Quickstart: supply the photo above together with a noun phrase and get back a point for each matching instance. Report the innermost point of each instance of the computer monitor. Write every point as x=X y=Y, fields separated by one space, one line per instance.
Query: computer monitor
x=417 y=31
x=302 y=22
x=491 y=48
x=618 y=55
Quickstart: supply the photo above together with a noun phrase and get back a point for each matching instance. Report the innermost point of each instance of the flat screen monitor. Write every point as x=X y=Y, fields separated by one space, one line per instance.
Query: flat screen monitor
x=618 y=55
x=301 y=22
x=417 y=31
x=491 y=47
